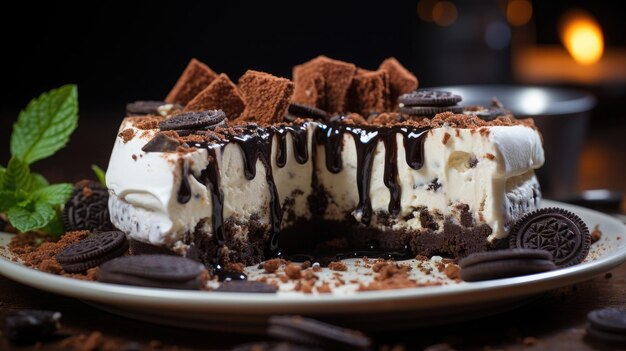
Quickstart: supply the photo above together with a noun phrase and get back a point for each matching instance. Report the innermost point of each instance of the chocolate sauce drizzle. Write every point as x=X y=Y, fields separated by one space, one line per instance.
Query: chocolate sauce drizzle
x=184 y=191
x=256 y=144
x=366 y=139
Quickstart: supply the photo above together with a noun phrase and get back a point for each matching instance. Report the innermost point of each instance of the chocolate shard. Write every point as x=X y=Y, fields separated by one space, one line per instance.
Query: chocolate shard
x=221 y=94
x=400 y=79
x=267 y=97
x=161 y=142
x=194 y=79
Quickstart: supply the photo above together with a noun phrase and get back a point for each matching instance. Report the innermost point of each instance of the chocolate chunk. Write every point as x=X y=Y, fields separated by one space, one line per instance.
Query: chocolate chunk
x=157 y=271
x=246 y=286
x=25 y=326
x=400 y=79
x=324 y=78
x=369 y=93
x=558 y=231
x=93 y=251
x=87 y=208
x=505 y=264
x=267 y=97
x=221 y=94
x=429 y=111
x=312 y=332
x=194 y=79
x=306 y=111
x=139 y=108
x=608 y=319
x=194 y=120
x=425 y=97
x=161 y=143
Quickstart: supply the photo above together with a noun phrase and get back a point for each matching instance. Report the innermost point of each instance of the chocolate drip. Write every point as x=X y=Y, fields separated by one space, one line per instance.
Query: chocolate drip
x=299 y=141
x=331 y=136
x=184 y=191
x=365 y=142
x=210 y=176
x=414 y=146
x=299 y=137
x=258 y=146
x=390 y=175
x=281 y=152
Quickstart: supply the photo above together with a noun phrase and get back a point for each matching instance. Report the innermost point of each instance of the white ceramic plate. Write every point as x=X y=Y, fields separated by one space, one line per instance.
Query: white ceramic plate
x=373 y=310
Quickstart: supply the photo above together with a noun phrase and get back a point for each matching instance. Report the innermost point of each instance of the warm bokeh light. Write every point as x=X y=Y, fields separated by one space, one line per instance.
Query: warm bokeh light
x=444 y=13
x=582 y=37
x=425 y=9
x=519 y=12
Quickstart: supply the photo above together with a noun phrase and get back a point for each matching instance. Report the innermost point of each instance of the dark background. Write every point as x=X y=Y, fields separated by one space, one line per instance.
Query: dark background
x=119 y=52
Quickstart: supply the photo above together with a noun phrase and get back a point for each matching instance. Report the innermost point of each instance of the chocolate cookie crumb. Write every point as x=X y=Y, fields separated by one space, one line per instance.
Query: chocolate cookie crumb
x=338 y=266
x=596 y=234
x=452 y=271
x=271 y=266
x=293 y=271
x=127 y=135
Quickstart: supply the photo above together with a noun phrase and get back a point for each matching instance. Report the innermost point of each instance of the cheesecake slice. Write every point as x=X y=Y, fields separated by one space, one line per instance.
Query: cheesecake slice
x=450 y=185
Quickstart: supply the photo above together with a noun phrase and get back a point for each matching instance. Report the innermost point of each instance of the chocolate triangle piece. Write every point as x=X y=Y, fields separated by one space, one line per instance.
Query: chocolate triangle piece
x=370 y=93
x=337 y=81
x=400 y=79
x=221 y=94
x=194 y=79
x=266 y=96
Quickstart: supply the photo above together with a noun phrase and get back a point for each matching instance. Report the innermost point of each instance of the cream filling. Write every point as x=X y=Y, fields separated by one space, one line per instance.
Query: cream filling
x=492 y=172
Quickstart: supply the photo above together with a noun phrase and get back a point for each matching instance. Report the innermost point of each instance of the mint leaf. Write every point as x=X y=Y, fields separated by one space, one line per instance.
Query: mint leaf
x=56 y=194
x=37 y=181
x=3 y=171
x=100 y=174
x=16 y=176
x=31 y=217
x=8 y=199
x=45 y=125
x=55 y=226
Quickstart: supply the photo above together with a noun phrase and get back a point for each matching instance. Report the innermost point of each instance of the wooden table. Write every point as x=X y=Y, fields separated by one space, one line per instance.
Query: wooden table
x=555 y=321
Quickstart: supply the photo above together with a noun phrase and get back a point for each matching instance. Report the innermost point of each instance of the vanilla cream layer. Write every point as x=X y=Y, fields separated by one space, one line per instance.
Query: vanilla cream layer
x=490 y=170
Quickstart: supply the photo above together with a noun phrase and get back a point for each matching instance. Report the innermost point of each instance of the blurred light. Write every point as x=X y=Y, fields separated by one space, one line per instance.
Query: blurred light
x=425 y=10
x=582 y=36
x=445 y=13
x=533 y=101
x=498 y=35
x=519 y=12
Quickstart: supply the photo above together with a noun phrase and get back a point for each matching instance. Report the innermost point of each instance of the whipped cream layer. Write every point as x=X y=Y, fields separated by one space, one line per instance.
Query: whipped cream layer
x=487 y=172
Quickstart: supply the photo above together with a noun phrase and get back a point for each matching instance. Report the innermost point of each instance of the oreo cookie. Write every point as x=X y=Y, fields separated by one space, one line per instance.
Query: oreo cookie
x=29 y=326
x=208 y=119
x=428 y=103
x=429 y=111
x=156 y=271
x=499 y=264
x=558 y=231
x=93 y=251
x=424 y=97
x=315 y=333
x=488 y=113
x=607 y=325
x=306 y=111
x=148 y=107
x=161 y=143
x=246 y=286
x=87 y=208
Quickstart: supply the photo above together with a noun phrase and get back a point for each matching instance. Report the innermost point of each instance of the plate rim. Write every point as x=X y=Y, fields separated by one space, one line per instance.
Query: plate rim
x=190 y=301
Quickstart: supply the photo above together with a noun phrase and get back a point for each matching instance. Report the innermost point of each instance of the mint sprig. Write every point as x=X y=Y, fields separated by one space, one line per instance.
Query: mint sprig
x=46 y=124
x=27 y=199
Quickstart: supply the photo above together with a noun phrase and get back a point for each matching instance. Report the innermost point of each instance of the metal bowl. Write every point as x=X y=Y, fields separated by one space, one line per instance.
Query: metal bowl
x=561 y=115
